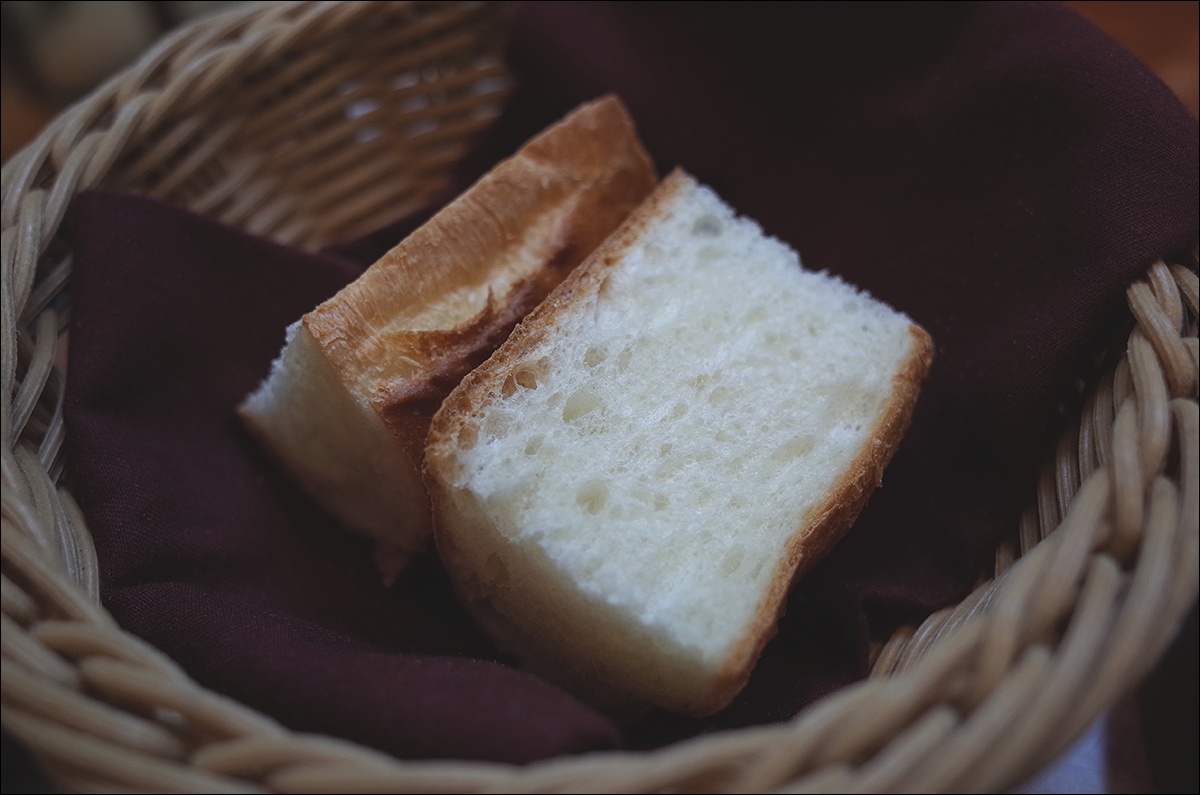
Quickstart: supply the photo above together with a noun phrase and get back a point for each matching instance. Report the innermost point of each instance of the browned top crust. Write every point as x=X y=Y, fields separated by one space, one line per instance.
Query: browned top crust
x=388 y=335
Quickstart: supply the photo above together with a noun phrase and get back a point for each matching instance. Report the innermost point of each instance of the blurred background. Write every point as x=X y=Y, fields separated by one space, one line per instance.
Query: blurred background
x=54 y=53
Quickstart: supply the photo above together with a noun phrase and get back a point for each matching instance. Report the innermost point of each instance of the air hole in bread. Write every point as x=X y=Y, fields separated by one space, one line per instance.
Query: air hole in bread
x=795 y=448
x=623 y=359
x=680 y=409
x=467 y=437
x=605 y=290
x=594 y=356
x=593 y=496
x=699 y=382
x=533 y=445
x=732 y=561
x=528 y=375
x=707 y=226
x=497 y=426
x=580 y=403
x=669 y=469
x=720 y=396
x=738 y=463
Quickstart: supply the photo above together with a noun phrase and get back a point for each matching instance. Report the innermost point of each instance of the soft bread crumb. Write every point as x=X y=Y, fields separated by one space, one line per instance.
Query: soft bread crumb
x=705 y=419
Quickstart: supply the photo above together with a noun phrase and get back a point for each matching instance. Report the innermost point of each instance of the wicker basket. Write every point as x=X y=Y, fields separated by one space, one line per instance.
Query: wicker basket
x=1086 y=596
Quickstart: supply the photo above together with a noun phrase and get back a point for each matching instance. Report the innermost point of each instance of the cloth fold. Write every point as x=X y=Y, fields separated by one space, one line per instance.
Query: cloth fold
x=999 y=171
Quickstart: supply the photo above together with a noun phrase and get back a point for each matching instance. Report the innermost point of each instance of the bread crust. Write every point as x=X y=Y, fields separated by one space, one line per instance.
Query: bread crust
x=472 y=396
x=401 y=336
x=590 y=167
x=468 y=544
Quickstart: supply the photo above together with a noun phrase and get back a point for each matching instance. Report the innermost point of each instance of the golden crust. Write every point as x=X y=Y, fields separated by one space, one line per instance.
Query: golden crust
x=388 y=347
x=587 y=173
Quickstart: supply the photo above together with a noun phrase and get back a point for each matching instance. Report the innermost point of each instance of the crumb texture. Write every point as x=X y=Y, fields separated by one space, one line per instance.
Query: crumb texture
x=680 y=424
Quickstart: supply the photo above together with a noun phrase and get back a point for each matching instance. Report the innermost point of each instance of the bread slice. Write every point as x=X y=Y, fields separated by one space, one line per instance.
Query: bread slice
x=347 y=404
x=626 y=489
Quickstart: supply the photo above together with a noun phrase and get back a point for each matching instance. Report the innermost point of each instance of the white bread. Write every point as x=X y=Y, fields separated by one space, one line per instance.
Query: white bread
x=347 y=404
x=624 y=492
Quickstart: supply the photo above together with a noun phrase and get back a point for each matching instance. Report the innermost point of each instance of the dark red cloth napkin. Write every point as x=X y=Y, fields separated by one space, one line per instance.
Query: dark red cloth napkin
x=211 y=554
x=999 y=171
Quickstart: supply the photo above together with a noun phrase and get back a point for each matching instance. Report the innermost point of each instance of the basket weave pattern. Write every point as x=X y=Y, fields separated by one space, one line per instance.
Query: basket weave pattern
x=384 y=97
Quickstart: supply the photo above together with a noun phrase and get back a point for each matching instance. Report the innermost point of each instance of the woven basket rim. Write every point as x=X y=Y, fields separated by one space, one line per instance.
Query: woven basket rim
x=936 y=714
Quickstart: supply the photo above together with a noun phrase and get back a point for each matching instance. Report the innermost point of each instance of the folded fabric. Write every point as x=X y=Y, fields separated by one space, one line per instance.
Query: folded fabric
x=211 y=554
x=999 y=171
